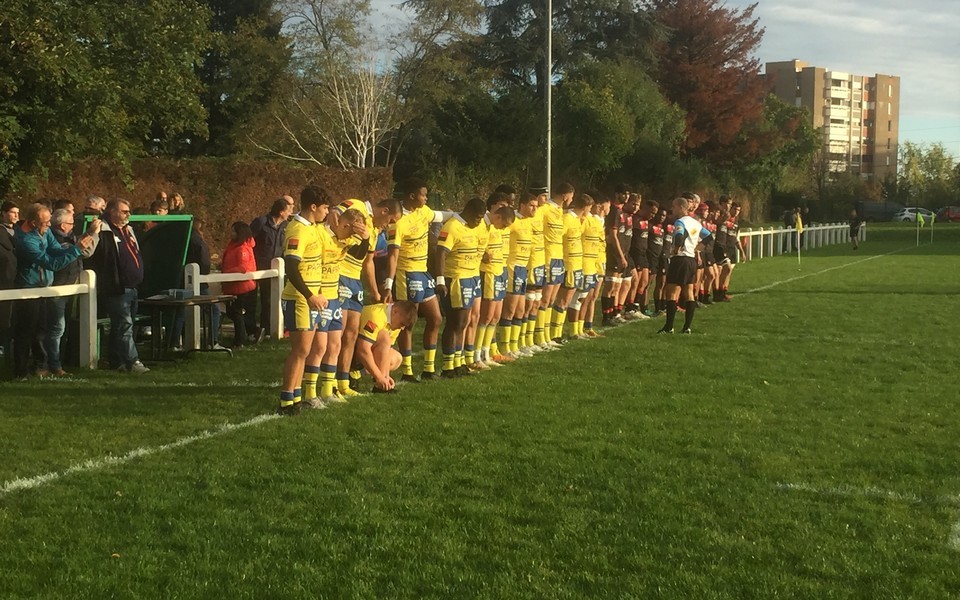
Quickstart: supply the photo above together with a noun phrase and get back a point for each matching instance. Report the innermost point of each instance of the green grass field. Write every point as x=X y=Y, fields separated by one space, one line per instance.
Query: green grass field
x=801 y=444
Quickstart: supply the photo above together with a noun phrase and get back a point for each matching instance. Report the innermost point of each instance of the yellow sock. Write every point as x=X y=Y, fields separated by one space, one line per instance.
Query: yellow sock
x=478 y=340
x=540 y=327
x=309 y=384
x=531 y=326
x=328 y=380
x=448 y=361
x=557 y=319
x=488 y=340
x=503 y=333
x=407 y=364
x=514 y=337
x=458 y=359
x=429 y=359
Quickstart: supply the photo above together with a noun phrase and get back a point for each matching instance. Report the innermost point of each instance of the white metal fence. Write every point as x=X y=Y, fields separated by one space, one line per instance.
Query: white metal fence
x=86 y=292
x=192 y=280
x=774 y=241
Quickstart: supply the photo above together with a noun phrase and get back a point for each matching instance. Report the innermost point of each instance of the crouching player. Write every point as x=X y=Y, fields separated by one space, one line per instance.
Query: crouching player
x=382 y=324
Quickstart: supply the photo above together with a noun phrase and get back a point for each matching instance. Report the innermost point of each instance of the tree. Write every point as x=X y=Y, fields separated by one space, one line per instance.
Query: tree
x=926 y=175
x=102 y=79
x=241 y=72
x=706 y=66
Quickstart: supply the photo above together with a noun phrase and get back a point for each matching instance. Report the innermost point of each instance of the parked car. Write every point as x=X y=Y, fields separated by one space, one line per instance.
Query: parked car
x=949 y=213
x=869 y=210
x=910 y=214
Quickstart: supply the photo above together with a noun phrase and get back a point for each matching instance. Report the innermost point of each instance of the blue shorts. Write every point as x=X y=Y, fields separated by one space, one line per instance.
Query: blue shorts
x=299 y=316
x=555 y=277
x=589 y=282
x=415 y=286
x=538 y=277
x=573 y=280
x=331 y=318
x=494 y=286
x=351 y=294
x=461 y=293
x=517 y=281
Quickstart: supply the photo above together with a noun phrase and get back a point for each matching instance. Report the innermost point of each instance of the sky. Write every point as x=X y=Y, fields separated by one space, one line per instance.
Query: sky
x=917 y=40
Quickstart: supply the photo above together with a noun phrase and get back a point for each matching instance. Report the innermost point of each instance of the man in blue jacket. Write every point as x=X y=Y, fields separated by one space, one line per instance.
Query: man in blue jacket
x=38 y=257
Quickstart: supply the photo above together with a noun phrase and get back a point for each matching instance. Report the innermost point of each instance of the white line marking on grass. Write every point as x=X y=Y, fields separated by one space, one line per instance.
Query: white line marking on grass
x=953 y=541
x=27 y=483
x=804 y=276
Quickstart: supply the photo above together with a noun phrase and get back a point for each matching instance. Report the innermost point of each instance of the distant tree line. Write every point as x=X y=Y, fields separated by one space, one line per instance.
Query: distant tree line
x=659 y=94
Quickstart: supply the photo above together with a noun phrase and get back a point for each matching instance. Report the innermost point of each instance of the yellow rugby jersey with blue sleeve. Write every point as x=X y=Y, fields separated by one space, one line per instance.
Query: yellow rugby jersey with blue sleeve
x=333 y=253
x=592 y=238
x=494 y=249
x=602 y=254
x=353 y=266
x=553 y=224
x=374 y=319
x=463 y=246
x=572 y=242
x=410 y=235
x=302 y=241
x=521 y=241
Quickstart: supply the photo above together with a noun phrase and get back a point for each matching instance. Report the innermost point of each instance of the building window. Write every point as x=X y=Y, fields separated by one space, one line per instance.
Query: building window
x=889 y=90
x=888 y=143
x=889 y=125
x=889 y=109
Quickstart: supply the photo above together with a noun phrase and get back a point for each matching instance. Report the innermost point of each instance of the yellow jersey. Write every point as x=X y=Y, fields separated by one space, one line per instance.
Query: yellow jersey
x=374 y=319
x=494 y=249
x=353 y=266
x=410 y=235
x=521 y=241
x=592 y=239
x=464 y=248
x=602 y=254
x=572 y=242
x=537 y=257
x=553 y=233
x=303 y=241
x=333 y=253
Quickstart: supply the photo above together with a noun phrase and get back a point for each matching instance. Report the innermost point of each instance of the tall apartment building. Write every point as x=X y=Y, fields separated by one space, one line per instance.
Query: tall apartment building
x=858 y=115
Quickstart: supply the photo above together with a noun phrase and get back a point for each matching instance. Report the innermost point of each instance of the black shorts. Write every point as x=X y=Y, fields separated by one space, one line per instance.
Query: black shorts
x=613 y=265
x=708 y=258
x=733 y=255
x=653 y=260
x=682 y=271
x=720 y=255
x=664 y=265
x=640 y=259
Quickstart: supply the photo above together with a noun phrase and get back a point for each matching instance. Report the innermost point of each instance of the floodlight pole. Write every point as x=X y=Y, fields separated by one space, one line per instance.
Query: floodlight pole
x=549 y=97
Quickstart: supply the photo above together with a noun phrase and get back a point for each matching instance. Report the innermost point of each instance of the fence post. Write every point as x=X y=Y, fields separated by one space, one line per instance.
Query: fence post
x=771 y=240
x=863 y=231
x=87 y=304
x=275 y=290
x=191 y=316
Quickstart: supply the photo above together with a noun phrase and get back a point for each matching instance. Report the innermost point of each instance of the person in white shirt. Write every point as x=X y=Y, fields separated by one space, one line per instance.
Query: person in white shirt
x=682 y=273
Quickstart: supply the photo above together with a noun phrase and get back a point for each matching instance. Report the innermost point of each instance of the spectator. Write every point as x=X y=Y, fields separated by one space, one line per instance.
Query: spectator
x=177 y=206
x=119 y=268
x=93 y=206
x=62 y=225
x=38 y=256
x=8 y=269
x=268 y=233
x=63 y=203
x=9 y=216
x=238 y=258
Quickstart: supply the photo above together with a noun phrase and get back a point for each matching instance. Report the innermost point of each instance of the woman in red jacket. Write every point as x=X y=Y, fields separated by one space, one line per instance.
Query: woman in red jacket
x=238 y=258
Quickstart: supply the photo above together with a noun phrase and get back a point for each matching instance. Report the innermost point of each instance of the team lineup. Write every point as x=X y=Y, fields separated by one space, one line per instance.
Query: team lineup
x=505 y=278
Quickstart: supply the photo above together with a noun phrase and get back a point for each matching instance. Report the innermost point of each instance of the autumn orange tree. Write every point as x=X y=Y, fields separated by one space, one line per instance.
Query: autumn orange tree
x=707 y=67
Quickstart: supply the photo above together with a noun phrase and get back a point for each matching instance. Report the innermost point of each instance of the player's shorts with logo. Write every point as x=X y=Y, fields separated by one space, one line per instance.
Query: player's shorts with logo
x=639 y=259
x=351 y=294
x=516 y=281
x=299 y=316
x=413 y=286
x=590 y=282
x=494 y=286
x=720 y=254
x=573 y=279
x=537 y=277
x=462 y=292
x=556 y=271
x=331 y=318
x=682 y=271
x=613 y=264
